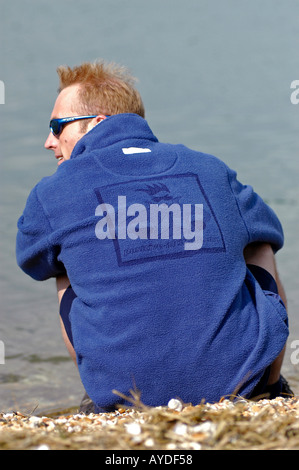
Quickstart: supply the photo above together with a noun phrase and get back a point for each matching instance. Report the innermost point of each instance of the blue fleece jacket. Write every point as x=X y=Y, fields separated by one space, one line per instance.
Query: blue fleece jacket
x=151 y=236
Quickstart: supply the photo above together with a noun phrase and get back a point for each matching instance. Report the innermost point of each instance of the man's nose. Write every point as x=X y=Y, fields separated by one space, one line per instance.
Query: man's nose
x=51 y=141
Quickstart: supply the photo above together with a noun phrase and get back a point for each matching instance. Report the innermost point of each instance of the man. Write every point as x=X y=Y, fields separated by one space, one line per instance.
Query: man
x=164 y=262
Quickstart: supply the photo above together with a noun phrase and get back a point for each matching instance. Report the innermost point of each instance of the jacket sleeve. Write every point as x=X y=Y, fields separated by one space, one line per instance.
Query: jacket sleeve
x=36 y=255
x=260 y=220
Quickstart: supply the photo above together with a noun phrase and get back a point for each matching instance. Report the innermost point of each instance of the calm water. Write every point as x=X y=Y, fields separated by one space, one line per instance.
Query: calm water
x=214 y=75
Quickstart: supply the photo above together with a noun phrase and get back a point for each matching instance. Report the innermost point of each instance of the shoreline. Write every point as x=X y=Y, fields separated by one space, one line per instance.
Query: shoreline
x=226 y=425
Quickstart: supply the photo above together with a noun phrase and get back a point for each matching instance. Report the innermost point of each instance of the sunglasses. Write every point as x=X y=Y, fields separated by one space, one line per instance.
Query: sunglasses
x=56 y=125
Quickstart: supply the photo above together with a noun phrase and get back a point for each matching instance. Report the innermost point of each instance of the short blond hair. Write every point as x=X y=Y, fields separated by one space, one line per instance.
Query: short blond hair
x=104 y=88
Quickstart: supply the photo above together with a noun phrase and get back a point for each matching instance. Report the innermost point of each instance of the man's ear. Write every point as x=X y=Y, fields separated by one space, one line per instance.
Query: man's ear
x=99 y=118
x=95 y=121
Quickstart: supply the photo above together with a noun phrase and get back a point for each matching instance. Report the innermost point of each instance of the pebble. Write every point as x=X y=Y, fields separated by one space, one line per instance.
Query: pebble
x=180 y=429
x=175 y=404
x=43 y=447
x=206 y=428
x=133 y=428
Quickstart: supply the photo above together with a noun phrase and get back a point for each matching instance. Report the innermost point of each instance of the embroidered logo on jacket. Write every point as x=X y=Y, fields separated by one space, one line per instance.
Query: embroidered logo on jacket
x=157 y=217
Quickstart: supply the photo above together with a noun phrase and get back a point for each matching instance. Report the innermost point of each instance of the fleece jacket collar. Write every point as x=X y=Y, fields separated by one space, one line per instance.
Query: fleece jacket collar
x=114 y=129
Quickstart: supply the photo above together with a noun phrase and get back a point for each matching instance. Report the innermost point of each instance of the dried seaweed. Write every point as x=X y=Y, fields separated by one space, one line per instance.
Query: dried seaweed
x=228 y=425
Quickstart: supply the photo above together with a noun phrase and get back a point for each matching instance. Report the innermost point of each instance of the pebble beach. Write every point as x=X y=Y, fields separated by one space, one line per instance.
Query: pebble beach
x=228 y=425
